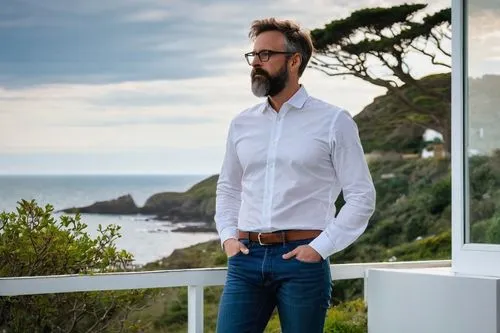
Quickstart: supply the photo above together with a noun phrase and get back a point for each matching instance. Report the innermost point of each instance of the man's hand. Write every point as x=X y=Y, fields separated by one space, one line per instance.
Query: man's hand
x=304 y=253
x=232 y=246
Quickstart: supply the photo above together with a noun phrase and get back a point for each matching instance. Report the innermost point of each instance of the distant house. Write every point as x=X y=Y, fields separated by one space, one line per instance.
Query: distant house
x=435 y=147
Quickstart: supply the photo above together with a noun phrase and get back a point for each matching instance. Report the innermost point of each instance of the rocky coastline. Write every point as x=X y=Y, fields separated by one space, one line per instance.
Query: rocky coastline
x=197 y=204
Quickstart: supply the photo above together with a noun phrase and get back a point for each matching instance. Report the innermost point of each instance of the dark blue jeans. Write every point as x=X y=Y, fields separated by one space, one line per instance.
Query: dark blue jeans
x=262 y=280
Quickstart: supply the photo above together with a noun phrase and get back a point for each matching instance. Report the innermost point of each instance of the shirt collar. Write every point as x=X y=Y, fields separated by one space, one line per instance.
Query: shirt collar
x=297 y=100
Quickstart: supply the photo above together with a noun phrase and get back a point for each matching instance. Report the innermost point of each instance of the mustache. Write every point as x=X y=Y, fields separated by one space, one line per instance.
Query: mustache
x=259 y=71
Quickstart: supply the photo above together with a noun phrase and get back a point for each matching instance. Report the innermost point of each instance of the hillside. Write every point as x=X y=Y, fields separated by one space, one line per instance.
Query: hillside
x=196 y=204
x=385 y=124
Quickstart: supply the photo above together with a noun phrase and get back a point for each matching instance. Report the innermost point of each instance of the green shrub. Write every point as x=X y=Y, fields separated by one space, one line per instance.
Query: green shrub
x=348 y=317
x=493 y=233
x=33 y=242
x=440 y=196
x=479 y=231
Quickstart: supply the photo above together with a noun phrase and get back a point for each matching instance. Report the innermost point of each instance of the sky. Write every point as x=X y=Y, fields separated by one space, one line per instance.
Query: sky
x=142 y=87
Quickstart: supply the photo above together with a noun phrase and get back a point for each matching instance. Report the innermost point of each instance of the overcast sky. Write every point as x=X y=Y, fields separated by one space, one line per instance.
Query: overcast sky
x=149 y=86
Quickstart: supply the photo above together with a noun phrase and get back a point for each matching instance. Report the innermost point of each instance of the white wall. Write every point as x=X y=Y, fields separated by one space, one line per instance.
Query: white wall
x=431 y=301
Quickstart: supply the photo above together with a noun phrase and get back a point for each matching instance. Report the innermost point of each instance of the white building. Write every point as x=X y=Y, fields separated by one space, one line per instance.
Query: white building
x=430 y=135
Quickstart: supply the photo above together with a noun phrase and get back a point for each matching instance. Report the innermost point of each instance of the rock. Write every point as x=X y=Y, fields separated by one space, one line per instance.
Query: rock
x=123 y=205
x=198 y=228
x=196 y=204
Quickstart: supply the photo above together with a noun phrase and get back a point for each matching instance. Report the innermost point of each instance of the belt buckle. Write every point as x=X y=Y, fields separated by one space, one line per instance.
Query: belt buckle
x=260 y=241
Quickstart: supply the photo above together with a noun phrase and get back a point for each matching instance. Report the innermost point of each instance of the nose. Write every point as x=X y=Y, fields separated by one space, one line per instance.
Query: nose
x=256 y=61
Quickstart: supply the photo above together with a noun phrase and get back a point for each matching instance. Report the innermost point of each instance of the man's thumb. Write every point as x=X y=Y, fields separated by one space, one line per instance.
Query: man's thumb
x=243 y=249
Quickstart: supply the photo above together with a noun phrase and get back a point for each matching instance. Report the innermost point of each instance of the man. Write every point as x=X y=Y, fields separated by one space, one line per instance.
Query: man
x=286 y=161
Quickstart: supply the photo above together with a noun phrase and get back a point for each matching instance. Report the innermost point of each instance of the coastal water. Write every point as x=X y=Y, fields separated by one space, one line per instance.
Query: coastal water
x=145 y=238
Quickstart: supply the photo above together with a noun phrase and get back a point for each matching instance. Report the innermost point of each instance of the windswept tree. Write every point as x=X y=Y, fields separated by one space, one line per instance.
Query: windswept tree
x=378 y=44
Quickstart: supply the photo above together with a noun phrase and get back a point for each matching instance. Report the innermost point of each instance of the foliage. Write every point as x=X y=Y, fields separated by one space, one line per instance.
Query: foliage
x=389 y=125
x=486 y=231
x=175 y=313
x=33 y=242
x=348 y=317
x=429 y=248
x=208 y=254
x=197 y=203
x=203 y=189
x=375 y=44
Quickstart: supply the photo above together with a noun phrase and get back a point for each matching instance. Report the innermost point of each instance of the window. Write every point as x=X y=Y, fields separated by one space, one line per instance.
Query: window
x=476 y=147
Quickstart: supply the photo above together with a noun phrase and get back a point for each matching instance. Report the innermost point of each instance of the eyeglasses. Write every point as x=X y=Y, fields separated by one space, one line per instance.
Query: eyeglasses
x=263 y=55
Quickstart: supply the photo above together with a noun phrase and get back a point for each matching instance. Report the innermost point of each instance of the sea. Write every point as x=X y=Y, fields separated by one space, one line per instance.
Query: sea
x=147 y=239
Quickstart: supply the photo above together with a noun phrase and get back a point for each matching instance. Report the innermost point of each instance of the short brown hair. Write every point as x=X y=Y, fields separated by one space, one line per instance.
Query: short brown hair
x=296 y=40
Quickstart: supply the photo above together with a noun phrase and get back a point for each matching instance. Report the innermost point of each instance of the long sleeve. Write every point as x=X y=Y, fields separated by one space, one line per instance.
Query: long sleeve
x=357 y=187
x=228 y=193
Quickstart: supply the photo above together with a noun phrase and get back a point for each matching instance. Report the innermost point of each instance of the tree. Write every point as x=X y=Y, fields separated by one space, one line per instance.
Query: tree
x=33 y=242
x=375 y=45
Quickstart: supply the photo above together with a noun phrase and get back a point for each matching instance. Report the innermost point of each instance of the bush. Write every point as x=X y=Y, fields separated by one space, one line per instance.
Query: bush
x=493 y=234
x=33 y=242
x=481 y=209
x=440 y=196
x=176 y=312
x=479 y=231
x=430 y=248
x=348 y=317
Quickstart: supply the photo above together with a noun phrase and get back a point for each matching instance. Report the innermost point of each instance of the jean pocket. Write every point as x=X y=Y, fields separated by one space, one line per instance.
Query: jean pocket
x=234 y=255
x=309 y=262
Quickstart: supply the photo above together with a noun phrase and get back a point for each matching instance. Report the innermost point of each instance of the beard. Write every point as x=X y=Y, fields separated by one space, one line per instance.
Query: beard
x=263 y=84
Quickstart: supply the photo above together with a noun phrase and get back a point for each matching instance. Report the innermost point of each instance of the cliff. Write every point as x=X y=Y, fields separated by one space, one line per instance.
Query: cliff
x=196 y=204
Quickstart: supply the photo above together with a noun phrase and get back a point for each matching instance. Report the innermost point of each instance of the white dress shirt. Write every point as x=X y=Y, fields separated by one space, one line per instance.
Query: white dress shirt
x=284 y=170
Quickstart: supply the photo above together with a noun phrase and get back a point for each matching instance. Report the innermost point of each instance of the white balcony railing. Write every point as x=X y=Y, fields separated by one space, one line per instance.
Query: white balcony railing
x=194 y=279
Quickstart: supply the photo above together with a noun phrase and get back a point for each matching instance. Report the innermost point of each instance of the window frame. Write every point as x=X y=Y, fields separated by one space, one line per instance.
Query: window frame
x=467 y=258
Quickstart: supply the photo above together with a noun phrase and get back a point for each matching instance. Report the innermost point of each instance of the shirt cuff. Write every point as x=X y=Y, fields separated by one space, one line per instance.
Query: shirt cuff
x=226 y=233
x=323 y=245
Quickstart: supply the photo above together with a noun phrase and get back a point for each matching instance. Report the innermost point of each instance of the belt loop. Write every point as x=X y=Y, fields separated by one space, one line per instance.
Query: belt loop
x=283 y=238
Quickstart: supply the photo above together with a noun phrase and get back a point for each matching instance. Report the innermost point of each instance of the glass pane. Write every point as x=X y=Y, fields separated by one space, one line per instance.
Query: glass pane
x=483 y=116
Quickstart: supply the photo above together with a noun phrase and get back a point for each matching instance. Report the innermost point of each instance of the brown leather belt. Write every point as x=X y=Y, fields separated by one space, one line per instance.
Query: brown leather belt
x=278 y=237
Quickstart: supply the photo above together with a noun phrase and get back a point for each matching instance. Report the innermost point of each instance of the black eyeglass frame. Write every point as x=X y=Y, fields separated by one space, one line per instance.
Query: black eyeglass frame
x=264 y=55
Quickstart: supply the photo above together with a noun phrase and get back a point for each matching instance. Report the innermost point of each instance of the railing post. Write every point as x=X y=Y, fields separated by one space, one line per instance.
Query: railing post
x=195 y=309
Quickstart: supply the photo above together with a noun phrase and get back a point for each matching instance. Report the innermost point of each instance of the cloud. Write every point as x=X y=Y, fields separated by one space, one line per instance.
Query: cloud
x=483 y=40
x=138 y=121
x=51 y=42
x=149 y=16
x=171 y=160
x=141 y=78
x=66 y=118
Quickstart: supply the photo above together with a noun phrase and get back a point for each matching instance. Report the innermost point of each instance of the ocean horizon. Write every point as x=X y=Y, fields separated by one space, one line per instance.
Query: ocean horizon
x=147 y=239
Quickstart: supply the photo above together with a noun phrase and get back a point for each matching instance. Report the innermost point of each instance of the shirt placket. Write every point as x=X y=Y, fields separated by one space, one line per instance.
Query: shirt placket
x=271 y=168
